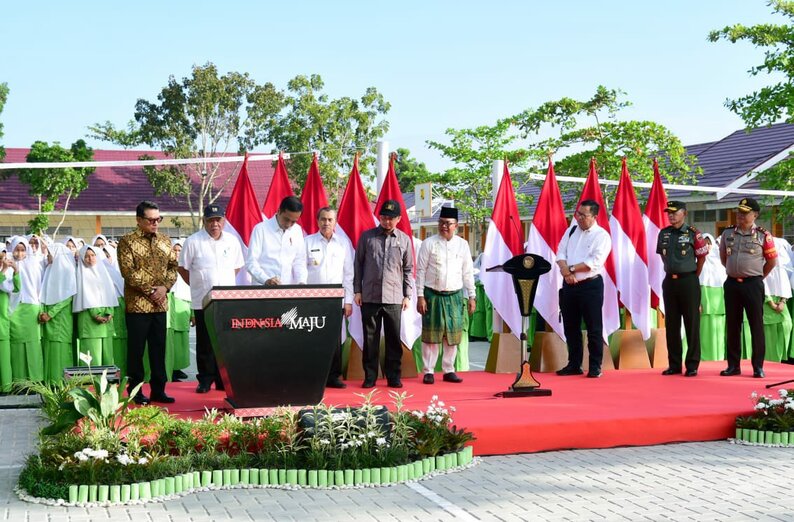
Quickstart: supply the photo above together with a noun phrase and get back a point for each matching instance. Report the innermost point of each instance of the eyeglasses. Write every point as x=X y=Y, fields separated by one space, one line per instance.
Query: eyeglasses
x=152 y=221
x=581 y=215
x=447 y=224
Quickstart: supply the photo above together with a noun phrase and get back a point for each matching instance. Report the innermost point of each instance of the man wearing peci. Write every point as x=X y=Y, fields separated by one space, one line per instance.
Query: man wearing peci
x=443 y=269
x=748 y=253
x=581 y=257
x=276 y=251
x=683 y=252
x=329 y=261
x=382 y=282
x=208 y=258
x=148 y=265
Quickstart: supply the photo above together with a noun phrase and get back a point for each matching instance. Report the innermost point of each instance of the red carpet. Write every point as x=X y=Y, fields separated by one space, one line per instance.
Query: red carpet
x=622 y=408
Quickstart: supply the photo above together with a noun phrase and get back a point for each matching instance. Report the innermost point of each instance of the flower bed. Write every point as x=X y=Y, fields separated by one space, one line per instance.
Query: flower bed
x=96 y=450
x=772 y=421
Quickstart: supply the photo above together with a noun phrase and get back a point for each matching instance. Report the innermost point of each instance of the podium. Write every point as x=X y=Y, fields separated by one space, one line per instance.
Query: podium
x=273 y=344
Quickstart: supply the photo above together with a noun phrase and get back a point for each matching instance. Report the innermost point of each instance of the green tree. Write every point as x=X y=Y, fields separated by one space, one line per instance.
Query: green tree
x=3 y=98
x=53 y=185
x=337 y=128
x=775 y=102
x=468 y=183
x=591 y=129
x=410 y=171
x=200 y=117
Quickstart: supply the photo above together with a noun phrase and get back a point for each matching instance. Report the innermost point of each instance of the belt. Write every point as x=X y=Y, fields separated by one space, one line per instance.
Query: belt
x=743 y=279
x=583 y=280
x=682 y=274
x=442 y=292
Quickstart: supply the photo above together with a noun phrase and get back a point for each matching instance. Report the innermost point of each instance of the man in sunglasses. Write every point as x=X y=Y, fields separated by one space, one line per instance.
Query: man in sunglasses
x=149 y=267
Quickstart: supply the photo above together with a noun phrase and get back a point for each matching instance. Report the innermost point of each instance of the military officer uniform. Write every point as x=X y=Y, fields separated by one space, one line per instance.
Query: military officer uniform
x=683 y=252
x=746 y=256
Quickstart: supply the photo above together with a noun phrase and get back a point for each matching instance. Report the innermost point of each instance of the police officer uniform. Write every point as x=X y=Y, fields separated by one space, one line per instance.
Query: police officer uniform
x=683 y=252
x=745 y=255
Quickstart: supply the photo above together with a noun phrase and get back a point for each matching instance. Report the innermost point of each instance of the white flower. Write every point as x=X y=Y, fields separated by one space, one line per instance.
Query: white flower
x=143 y=460
x=380 y=441
x=754 y=395
x=123 y=459
x=434 y=398
x=783 y=393
x=81 y=456
x=325 y=442
x=440 y=403
x=85 y=357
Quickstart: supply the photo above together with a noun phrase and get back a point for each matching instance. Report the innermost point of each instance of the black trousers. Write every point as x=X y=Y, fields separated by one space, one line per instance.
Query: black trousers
x=205 y=356
x=373 y=315
x=143 y=329
x=583 y=302
x=748 y=297
x=682 y=304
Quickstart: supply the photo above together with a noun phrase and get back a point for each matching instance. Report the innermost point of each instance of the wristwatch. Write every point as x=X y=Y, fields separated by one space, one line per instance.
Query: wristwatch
x=152 y=291
x=572 y=269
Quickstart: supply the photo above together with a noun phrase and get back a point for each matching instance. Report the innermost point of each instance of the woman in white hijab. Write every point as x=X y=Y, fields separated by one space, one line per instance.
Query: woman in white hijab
x=24 y=307
x=57 y=291
x=94 y=303
x=119 y=322
x=777 y=320
x=9 y=283
x=180 y=315
x=712 y=304
x=99 y=240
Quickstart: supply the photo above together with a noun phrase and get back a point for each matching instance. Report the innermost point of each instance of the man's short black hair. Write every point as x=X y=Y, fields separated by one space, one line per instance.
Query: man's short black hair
x=291 y=204
x=143 y=206
x=592 y=205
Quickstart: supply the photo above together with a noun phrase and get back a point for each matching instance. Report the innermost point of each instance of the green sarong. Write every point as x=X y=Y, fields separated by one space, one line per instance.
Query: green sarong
x=444 y=317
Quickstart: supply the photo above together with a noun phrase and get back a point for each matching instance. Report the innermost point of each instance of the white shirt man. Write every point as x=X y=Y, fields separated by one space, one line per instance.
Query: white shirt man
x=276 y=251
x=443 y=268
x=329 y=260
x=208 y=258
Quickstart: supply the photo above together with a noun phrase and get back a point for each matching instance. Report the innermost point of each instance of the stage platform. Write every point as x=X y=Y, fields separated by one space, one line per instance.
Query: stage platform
x=622 y=408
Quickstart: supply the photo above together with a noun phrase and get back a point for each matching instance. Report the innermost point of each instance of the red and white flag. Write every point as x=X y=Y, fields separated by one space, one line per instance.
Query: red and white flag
x=242 y=215
x=280 y=188
x=313 y=198
x=502 y=242
x=548 y=227
x=629 y=247
x=610 y=313
x=655 y=219
x=354 y=217
x=411 y=323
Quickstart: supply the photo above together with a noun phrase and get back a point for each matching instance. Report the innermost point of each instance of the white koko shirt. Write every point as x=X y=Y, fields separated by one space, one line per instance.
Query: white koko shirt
x=591 y=247
x=445 y=266
x=211 y=262
x=330 y=261
x=273 y=252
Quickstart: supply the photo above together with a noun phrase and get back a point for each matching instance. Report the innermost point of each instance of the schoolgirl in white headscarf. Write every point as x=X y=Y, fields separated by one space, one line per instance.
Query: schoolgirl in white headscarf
x=9 y=280
x=180 y=319
x=777 y=319
x=58 y=289
x=119 y=321
x=712 y=304
x=24 y=307
x=94 y=303
x=99 y=240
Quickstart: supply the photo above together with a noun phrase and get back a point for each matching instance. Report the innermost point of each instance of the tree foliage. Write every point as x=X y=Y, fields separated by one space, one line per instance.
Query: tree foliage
x=53 y=185
x=199 y=117
x=3 y=98
x=772 y=103
x=338 y=128
x=410 y=171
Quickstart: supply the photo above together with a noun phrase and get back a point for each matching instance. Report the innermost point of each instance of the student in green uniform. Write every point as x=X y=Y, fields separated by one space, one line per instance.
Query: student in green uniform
x=27 y=360
x=712 y=304
x=777 y=292
x=94 y=303
x=57 y=290
x=9 y=283
x=180 y=319
x=119 y=322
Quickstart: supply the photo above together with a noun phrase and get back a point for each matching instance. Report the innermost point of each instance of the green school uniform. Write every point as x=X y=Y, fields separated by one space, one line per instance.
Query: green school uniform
x=5 y=336
x=95 y=338
x=712 y=323
x=56 y=339
x=27 y=359
x=179 y=331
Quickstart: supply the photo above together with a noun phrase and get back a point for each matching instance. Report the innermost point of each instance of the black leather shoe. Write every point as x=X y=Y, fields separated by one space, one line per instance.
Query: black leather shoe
x=594 y=374
x=368 y=384
x=179 y=374
x=570 y=371
x=336 y=383
x=671 y=371
x=730 y=371
x=140 y=399
x=428 y=378
x=395 y=384
x=452 y=377
x=758 y=373
x=219 y=386
x=691 y=373
x=203 y=388
x=164 y=399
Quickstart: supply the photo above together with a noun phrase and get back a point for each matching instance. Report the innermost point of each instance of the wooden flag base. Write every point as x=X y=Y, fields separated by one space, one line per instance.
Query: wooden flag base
x=525 y=385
